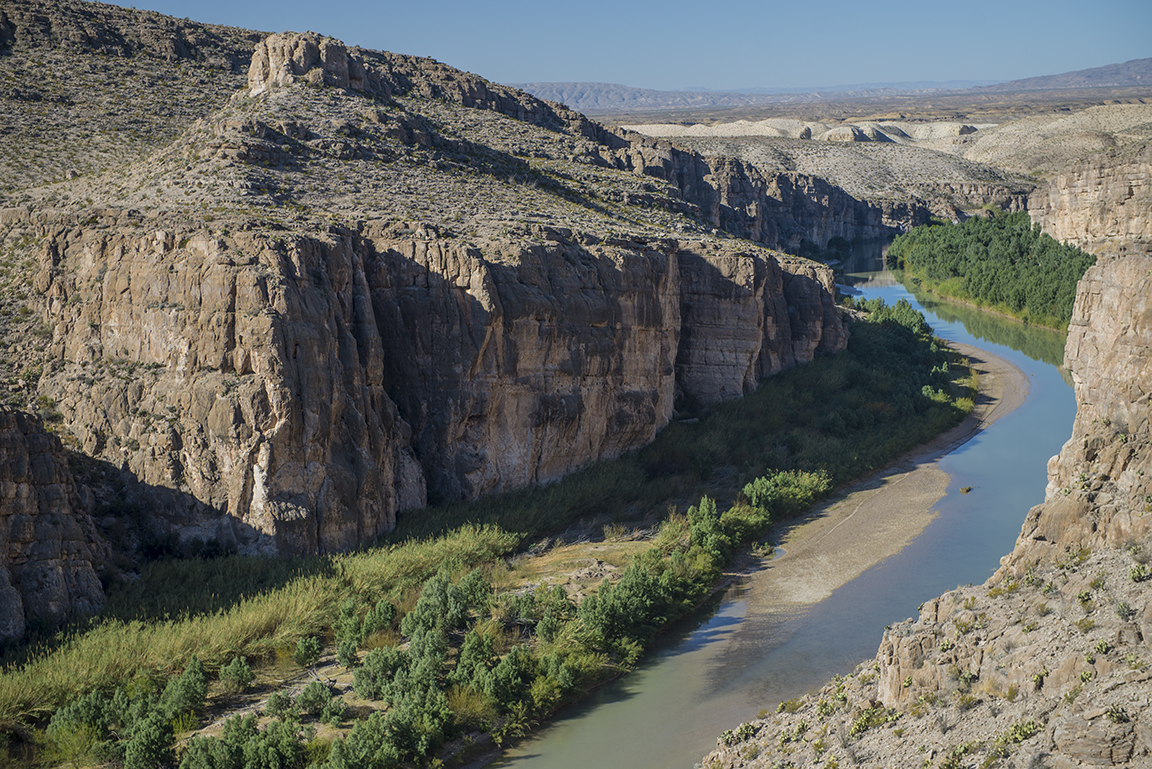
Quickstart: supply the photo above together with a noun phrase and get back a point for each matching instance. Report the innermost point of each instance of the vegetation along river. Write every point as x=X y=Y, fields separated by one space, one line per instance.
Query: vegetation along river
x=748 y=651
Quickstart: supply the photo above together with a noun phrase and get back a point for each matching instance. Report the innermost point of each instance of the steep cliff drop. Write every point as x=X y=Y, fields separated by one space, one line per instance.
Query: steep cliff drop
x=1049 y=663
x=372 y=281
x=1103 y=204
x=49 y=549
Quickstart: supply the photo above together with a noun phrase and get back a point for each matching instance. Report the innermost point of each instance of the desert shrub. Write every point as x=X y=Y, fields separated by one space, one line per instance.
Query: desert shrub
x=236 y=676
x=787 y=493
x=346 y=654
x=186 y=693
x=379 y=666
x=307 y=651
x=280 y=705
x=313 y=697
x=151 y=744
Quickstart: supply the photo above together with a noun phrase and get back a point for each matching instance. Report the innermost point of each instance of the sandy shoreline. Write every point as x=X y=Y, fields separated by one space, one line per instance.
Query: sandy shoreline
x=877 y=516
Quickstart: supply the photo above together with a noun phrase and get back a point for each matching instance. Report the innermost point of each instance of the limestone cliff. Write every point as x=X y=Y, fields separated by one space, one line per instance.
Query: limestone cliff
x=370 y=280
x=293 y=395
x=1049 y=664
x=1102 y=204
x=49 y=549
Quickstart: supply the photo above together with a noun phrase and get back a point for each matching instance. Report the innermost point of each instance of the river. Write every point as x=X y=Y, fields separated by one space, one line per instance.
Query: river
x=735 y=658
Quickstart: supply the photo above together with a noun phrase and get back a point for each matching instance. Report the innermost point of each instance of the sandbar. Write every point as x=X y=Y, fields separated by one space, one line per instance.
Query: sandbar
x=874 y=518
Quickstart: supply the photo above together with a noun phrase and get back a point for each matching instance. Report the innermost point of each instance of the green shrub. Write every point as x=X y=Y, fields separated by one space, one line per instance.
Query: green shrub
x=1004 y=261
x=236 y=676
x=379 y=666
x=787 y=493
x=307 y=651
x=346 y=654
x=333 y=713
x=151 y=745
x=280 y=705
x=186 y=693
x=313 y=697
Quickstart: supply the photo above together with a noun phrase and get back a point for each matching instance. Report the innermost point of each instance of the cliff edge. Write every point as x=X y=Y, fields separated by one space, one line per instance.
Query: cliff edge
x=370 y=281
x=1049 y=663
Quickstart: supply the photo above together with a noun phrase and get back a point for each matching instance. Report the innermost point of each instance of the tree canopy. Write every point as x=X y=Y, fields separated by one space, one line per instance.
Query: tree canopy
x=1003 y=261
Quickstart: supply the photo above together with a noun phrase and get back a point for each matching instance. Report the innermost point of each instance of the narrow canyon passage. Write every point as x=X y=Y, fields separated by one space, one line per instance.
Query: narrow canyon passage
x=766 y=640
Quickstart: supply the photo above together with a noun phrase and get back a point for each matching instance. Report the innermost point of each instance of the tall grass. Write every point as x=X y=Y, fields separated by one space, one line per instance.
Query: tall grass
x=840 y=416
x=117 y=650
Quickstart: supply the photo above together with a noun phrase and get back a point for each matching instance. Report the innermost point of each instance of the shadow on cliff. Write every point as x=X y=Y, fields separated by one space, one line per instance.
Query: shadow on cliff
x=535 y=379
x=156 y=573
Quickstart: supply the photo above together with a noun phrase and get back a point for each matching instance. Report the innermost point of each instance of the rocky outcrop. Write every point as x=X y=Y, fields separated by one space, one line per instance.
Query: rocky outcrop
x=1103 y=205
x=244 y=375
x=1100 y=485
x=744 y=318
x=83 y=28
x=780 y=210
x=1049 y=664
x=293 y=394
x=291 y=57
x=49 y=549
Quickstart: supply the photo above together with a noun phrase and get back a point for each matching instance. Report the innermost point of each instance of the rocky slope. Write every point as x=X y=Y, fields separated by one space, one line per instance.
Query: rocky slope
x=1083 y=176
x=371 y=280
x=86 y=87
x=1049 y=663
x=867 y=181
x=1102 y=204
x=49 y=549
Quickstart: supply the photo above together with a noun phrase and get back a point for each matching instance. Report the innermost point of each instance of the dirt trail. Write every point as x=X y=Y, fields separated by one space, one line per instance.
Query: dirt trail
x=880 y=514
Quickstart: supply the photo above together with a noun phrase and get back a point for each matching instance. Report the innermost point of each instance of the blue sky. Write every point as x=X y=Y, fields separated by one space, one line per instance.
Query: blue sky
x=725 y=44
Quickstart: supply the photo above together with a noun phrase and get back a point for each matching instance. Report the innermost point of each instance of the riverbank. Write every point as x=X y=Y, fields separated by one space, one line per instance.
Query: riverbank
x=877 y=516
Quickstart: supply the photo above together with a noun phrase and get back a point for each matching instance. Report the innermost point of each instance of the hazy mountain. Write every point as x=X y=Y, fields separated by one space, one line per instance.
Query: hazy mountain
x=611 y=97
x=1137 y=72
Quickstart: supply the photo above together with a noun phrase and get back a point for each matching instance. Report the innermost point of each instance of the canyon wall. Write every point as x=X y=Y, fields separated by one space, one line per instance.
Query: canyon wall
x=1049 y=663
x=1103 y=205
x=292 y=394
x=778 y=209
x=281 y=379
x=49 y=549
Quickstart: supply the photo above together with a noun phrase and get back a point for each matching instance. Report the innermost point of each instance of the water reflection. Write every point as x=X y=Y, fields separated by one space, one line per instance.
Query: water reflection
x=864 y=271
x=731 y=662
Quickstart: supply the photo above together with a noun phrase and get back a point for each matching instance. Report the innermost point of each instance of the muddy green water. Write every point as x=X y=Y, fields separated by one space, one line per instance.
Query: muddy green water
x=735 y=658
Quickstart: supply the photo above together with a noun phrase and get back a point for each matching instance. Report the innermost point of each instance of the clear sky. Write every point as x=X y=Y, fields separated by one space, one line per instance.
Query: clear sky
x=721 y=44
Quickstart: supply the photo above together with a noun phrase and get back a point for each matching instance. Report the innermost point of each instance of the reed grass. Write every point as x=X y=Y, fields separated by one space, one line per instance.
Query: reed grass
x=843 y=415
x=115 y=651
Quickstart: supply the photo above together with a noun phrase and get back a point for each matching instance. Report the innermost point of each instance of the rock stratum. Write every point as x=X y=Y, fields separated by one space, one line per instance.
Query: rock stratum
x=1102 y=204
x=1047 y=664
x=1083 y=177
x=355 y=283
x=50 y=551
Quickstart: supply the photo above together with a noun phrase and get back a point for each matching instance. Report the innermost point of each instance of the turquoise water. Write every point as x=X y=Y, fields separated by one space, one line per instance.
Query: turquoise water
x=732 y=660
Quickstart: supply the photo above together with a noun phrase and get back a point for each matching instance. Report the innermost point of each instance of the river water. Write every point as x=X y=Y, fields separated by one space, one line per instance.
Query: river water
x=735 y=658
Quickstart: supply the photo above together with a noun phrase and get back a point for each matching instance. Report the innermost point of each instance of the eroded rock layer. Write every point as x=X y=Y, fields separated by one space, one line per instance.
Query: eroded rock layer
x=293 y=394
x=1048 y=664
x=49 y=550
x=1103 y=205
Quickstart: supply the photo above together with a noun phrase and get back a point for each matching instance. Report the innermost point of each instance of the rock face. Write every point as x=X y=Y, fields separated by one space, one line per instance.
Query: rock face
x=371 y=281
x=1048 y=664
x=292 y=395
x=49 y=550
x=292 y=57
x=744 y=318
x=1103 y=205
x=1099 y=484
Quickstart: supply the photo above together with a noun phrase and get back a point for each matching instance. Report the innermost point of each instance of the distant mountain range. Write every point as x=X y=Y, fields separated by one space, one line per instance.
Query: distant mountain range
x=601 y=98
x=1137 y=72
